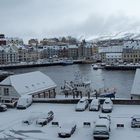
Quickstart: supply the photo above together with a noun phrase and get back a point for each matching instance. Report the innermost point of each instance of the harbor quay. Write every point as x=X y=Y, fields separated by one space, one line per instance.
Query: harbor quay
x=16 y=66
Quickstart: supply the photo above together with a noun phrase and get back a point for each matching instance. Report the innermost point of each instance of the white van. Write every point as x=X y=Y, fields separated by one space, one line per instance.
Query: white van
x=94 y=105
x=24 y=102
x=101 y=129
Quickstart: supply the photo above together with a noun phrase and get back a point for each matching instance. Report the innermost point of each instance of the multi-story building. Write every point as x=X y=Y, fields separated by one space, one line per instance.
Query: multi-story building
x=33 y=42
x=131 y=51
x=111 y=54
x=14 y=41
x=131 y=55
x=73 y=51
x=85 y=50
x=8 y=55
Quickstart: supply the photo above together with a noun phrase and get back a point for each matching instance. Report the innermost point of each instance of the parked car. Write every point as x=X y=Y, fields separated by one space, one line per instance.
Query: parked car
x=107 y=105
x=101 y=129
x=43 y=120
x=66 y=130
x=94 y=105
x=3 y=107
x=135 y=122
x=24 y=102
x=82 y=104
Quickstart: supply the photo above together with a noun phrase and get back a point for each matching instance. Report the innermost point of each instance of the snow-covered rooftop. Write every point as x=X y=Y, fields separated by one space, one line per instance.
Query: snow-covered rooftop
x=29 y=83
x=111 y=49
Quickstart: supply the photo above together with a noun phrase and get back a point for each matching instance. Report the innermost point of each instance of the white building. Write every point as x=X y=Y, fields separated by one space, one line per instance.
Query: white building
x=135 y=91
x=35 y=83
x=112 y=58
x=111 y=54
x=111 y=49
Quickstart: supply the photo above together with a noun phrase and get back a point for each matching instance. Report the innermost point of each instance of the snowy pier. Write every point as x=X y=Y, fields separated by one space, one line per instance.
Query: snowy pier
x=121 y=67
x=16 y=66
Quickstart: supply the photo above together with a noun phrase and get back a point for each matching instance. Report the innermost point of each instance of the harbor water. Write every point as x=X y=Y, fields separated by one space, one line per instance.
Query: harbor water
x=121 y=80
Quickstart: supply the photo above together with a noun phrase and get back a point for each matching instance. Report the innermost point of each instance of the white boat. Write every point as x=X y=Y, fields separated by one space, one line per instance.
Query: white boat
x=81 y=86
x=67 y=62
x=95 y=67
x=78 y=87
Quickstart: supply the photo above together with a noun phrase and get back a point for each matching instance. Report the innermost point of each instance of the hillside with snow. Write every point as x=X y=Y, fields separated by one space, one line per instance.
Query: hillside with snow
x=126 y=35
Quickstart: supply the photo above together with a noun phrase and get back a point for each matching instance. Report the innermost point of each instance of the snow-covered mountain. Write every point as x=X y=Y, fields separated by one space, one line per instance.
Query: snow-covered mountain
x=133 y=34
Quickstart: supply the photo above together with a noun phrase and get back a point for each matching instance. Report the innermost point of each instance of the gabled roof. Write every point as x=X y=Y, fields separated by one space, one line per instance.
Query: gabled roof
x=136 y=84
x=29 y=83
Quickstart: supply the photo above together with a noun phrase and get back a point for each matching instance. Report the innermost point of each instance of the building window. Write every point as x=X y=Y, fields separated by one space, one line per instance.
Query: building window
x=6 y=91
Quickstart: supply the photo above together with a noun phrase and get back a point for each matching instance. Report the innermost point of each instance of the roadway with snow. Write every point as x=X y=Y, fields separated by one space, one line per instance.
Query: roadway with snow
x=12 y=128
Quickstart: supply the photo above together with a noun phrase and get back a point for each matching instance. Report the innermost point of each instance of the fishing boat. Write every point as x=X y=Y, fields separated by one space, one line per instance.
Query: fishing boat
x=67 y=62
x=95 y=67
x=81 y=86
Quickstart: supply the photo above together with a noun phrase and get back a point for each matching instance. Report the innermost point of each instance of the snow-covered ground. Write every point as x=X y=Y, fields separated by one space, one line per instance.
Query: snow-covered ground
x=12 y=128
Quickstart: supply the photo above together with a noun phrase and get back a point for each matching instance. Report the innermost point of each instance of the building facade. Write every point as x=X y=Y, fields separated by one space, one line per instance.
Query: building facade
x=35 y=83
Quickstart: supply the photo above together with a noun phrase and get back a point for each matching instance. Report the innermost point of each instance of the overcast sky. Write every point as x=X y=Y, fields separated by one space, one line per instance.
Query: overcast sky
x=53 y=18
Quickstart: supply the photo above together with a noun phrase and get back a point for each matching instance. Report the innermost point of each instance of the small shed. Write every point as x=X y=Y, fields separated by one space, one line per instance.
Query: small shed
x=37 y=84
x=135 y=92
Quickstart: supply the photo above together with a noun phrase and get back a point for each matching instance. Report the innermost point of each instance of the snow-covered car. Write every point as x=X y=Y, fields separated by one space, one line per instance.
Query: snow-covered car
x=94 y=105
x=45 y=119
x=135 y=122
x=107 y=105
x=3 y=107
x=66 y=130
x=82 y=104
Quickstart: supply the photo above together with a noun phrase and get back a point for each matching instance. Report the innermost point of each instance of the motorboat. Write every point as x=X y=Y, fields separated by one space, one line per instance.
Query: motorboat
x=67 y=62
x=95 y=67
x=80 y=86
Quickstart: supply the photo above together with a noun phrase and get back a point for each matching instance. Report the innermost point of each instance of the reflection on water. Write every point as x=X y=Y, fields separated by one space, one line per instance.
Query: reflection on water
x=121 y=80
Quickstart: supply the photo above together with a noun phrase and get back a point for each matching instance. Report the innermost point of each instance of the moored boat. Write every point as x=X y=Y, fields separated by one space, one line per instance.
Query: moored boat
x=67 y=62
x=82 y=87
x=95 y=67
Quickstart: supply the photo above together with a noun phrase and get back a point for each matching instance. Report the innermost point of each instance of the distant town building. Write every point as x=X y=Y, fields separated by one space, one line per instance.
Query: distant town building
x=33 y=42
x=111 y=54
x=2 y=39
x=131 y=51
x=73 y=51
x=14 y=41
x=85 y=50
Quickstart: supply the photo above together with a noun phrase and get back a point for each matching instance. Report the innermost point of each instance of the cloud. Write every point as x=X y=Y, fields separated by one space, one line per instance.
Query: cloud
x=96 y=25
x=48 y=18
